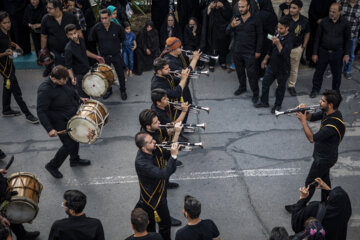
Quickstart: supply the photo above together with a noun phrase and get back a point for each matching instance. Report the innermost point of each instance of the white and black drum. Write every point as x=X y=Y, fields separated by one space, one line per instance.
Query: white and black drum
x=87 y=124
x=97 y=81
x=23 y=207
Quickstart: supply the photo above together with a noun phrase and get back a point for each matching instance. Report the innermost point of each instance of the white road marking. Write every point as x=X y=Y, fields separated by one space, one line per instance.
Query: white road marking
x=192 y=176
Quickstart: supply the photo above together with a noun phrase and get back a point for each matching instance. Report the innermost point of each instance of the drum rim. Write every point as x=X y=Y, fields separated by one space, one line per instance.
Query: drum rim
x=99 y=75
x=87 y=119
x=24 y=200
x=100 y=103
x=29 y=174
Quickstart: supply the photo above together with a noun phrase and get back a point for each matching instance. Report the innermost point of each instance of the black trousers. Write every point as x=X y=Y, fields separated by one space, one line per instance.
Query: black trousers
x=79 y=89
x=118 y=63
x=222 y=57
x=36 y=37
x=248 y=62
x=16 y=91
x=335 y=59
x=164 y=214
x=18 y=230
x=319 y=169
x=69 y=147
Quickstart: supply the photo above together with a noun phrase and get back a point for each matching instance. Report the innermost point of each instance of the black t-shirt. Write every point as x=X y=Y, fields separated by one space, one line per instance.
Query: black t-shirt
x=299 y=29
x=280 y=61
x=56 y=37
x=149 y=236
x=76 y=58
x=109 y=41
x=204 y=230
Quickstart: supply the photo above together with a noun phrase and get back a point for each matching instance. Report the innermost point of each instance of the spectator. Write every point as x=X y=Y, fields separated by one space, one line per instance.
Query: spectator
x=186 y=10
x=148 y=48
x=128 y=48
x=113 y=14
x=139 y=223
x=34 y=12
x=279 y=233
x=77 y=226
x=120 y=7
x=160 y=10
x=71 y=8
x=214 y=39
x=351 y=12
x=196 y=227
x=334 y=214
x=192 y=38
x=284 y=8
x=331 y=47
x=169 y=28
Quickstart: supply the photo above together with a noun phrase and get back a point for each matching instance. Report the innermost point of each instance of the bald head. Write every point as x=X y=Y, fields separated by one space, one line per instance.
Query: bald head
x=335 y=11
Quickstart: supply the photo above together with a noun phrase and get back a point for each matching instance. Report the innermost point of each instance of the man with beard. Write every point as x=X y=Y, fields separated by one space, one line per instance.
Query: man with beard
x=327 y=140
x=77 y=226
x=248 y=32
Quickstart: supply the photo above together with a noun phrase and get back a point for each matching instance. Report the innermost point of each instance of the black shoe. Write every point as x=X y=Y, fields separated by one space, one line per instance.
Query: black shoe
x=123 y=95
x=80 y=162
x=31 y=118
x=292 y=91
x=2 y=155
x=46 y=72
x=275 y=108
x=172 y=185
x=11 y=113
x=31 y=235
x=179 y=164
x=255 y=99
x=107 y=95
x=211 y=69
x=239 y=91
x=223 y=66
x=261 y=105
x=290 y=208
x=313 y=94
x=183 y=139
x=53 y=171
x=175 y=222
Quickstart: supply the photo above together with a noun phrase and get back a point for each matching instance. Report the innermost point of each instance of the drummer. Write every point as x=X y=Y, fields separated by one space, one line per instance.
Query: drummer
x=76 y=57
x=57 y=102
x=18 y=229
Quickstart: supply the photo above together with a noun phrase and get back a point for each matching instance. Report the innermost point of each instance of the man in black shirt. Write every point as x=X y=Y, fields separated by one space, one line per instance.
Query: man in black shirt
x=326 y=140
x=279 y=66
x=300 y=28
x=248 y=34
x=139 y=223
x=331 y=47
x=57 y=102
x=109 y=36
x=7 y=70
x=196 y=227
x=77 y=226
x=76 y=58
x=153 y=173
x=53 y=35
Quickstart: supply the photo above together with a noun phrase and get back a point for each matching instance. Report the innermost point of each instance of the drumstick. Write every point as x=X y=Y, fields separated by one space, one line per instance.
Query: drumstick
x=10 y=162
x=64 y=131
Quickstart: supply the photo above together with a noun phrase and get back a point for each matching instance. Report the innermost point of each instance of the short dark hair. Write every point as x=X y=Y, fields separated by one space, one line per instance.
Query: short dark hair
x=285 y=21
x=298 y=3
x=59 y=72
x=72 y=1
x=334 y=97
x=56 y=3
x=140 y=139
x=126 y=24
x=146 y=117
x=3 y=15
x=247 y=1
x=157 y=94
x=139 y=219
x=279 y=233
x=75 y=200
x=160 y=63
x=4 y=232
x=104 y=11
x=192 y=206
x=69 y=27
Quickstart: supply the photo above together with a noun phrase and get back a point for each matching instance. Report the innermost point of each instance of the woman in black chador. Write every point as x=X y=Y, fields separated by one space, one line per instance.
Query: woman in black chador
x=187 y=9
x=214 y=40
x=148 y=48
x=169 y=28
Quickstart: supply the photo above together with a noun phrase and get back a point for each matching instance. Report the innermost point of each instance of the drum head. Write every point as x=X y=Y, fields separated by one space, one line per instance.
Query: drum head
x=83 y=130
x=20 y=211
x=94 y=84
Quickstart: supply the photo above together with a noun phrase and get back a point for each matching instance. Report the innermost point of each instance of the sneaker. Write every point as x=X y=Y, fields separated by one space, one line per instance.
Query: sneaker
x=348 y=76
x=292 y=91
x=328 y=74
x=175 y=222
x=239 y=91
x=107 y=94
x=275 y=108
x=313 y=94
x=2 y=155
x=31 y=118
x=172 y=185
x=123 y=95
x=11 y=113
x=179 y=164
x=46 y=72
x=53 y=171
x=80 y=162
x=261 y=105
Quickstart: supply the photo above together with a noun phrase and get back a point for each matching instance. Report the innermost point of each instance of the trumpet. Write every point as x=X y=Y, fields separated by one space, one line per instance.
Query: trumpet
x=203 y=57
x=193 y=74
x=192 y=108
x=189 y=128
x=185 y=146
x=311 y=108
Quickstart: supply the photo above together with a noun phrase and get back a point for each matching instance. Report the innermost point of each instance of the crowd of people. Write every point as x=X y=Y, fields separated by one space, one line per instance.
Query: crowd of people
x=261 y=45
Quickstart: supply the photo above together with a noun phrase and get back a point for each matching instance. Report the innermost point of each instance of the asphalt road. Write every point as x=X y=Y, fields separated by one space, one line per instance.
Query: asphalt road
x=252 y=164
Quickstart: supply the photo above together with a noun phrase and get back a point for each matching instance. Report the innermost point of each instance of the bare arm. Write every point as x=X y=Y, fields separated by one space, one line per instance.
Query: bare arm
x=306 y=39
x=43 y=41
x=90 y=54
x=303 y=119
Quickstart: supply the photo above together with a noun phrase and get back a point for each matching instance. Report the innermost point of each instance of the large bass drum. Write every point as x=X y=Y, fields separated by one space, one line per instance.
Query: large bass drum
x=97 y=81
x=87 y=124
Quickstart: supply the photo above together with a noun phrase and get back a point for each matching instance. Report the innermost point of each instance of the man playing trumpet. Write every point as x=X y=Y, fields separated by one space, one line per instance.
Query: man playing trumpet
x=327 y=140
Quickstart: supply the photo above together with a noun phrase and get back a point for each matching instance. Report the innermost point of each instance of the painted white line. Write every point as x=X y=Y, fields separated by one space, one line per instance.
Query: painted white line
x=192 y=176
